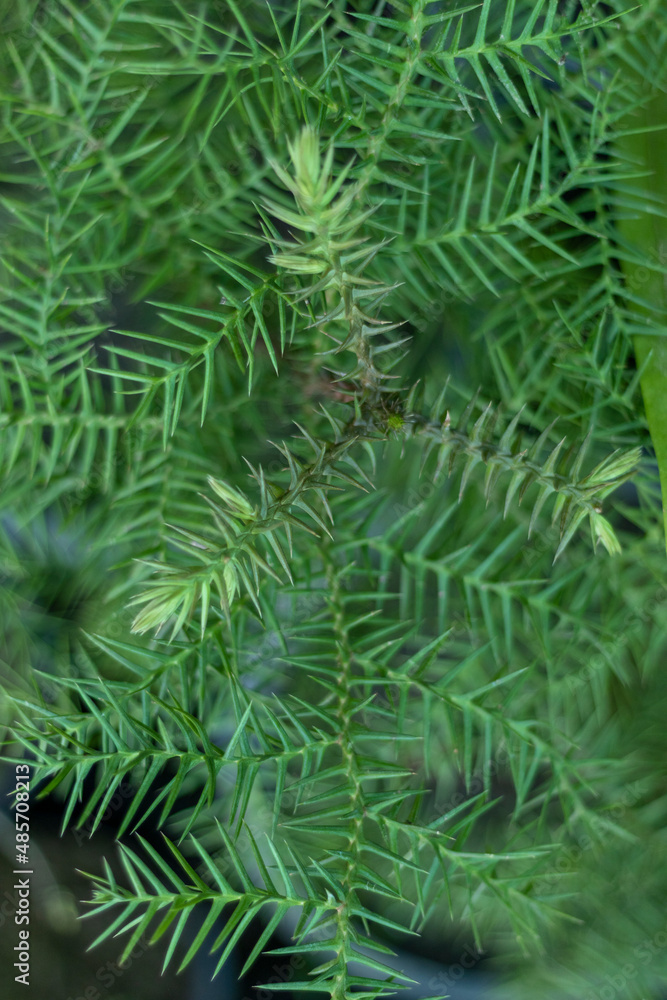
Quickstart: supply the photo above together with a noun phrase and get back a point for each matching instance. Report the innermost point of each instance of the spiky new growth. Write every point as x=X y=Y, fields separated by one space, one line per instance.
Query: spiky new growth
x=327 y=212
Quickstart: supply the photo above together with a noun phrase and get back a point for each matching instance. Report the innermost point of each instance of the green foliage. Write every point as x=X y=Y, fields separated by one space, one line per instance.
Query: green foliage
x=367 y=688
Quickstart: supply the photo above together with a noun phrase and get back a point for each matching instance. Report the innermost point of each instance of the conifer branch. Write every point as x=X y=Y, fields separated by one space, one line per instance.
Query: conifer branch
x=364 y=718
